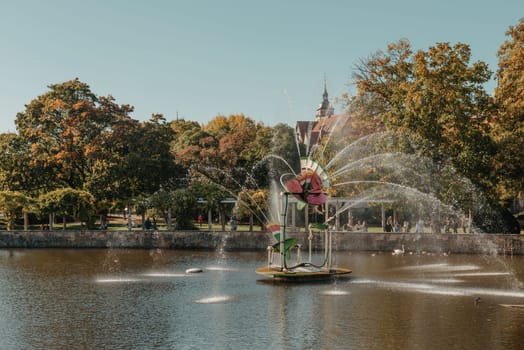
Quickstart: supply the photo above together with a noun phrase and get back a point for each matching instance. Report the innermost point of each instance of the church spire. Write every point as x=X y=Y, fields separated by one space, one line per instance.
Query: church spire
x=324 y=109
x=325 y=94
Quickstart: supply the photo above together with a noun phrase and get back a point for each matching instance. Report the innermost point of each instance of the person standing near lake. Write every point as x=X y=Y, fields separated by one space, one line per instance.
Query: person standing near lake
x=389 y=226
x=406 y=226
x=419 y=226
x=233 y=222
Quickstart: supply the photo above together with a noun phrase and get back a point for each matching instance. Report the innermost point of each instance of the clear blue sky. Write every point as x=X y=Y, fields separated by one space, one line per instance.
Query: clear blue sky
x=265 y=59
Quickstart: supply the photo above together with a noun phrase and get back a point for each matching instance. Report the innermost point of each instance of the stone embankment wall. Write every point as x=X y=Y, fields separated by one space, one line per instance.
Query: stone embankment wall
x=258 y=241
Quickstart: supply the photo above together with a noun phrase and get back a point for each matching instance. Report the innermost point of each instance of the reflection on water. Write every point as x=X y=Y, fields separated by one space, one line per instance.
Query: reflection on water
x=138 y=299
x=166 y=274
x=215 y=299
x=116 y=280
x=334 y=292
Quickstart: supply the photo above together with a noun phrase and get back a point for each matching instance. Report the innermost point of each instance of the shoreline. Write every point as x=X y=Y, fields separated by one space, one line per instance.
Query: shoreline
x=494 y=244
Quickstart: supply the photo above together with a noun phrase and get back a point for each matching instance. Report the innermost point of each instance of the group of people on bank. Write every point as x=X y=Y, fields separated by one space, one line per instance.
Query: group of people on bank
x=448 y=225
x=360 y=226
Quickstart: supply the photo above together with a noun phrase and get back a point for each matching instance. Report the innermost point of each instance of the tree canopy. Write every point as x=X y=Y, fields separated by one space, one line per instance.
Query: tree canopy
x=508 y=122
x=437 y=96
x=435 y=102
x=431 y=103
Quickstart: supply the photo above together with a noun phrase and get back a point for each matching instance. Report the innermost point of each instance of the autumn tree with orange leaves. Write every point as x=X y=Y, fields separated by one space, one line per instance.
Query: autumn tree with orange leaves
x=69 y=131
x=436 y=96
x=71 y=138
x=508 y=123
x=436 y=101
x=225 y=150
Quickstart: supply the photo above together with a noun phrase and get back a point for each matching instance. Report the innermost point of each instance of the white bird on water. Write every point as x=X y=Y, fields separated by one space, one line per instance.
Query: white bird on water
x=399 y=251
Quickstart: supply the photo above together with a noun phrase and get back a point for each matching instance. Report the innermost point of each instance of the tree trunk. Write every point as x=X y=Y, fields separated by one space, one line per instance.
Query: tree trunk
x=10 y=223
x=129 y=221
x=51 y=220
x=26 y=221
x=103 y=222
x=222 y=218
x=169 y=219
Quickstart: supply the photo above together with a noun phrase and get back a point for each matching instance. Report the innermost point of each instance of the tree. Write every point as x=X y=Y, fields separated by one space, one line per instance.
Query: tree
x=508 y=122
x=210 y=196
x=435 y=102
x=255 y=156
x=147 y=161
x=68 y=132
x=68 y=202
x=184 y=206
x=70 y=137
x=162 y=202
x=437 y=97
x=253 y=204
x=285 y=150
x=11 y=163
x=234 y=134
x=192 y=145
x=13 y=203
x=225 y=150
x=365 y=116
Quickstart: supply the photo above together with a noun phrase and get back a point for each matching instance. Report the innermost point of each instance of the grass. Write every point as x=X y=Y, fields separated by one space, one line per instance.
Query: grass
x=120 y=224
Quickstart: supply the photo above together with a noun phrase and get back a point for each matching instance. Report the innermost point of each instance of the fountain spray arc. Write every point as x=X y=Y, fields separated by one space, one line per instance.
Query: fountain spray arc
x=308 y=189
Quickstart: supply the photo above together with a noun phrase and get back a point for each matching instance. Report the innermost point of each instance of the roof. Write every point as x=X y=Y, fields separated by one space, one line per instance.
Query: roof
x=312 y=132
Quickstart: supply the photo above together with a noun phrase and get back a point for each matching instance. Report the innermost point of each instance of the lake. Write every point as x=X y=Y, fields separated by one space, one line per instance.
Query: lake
x=143 y=299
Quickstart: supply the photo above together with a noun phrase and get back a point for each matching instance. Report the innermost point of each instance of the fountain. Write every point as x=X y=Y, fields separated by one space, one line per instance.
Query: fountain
x=308 y=188
x=368 y=174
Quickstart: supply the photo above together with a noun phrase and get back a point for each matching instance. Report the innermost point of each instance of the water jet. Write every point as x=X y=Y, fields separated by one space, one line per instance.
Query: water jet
x=308 y=188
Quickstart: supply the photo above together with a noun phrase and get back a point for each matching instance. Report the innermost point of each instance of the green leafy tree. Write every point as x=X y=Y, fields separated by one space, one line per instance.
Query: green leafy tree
x=147 y=161
x=19 y=171
x=285 y=152
x=162 y=202
x=11 y=165
x=255 y=157
x=184 y=204
x=68 y=202
x=209 y=196
x=108 y=158
x=12 y=204
x=253 y=204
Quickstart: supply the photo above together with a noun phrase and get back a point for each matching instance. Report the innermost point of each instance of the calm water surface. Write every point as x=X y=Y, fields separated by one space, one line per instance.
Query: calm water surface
x=139 y=299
